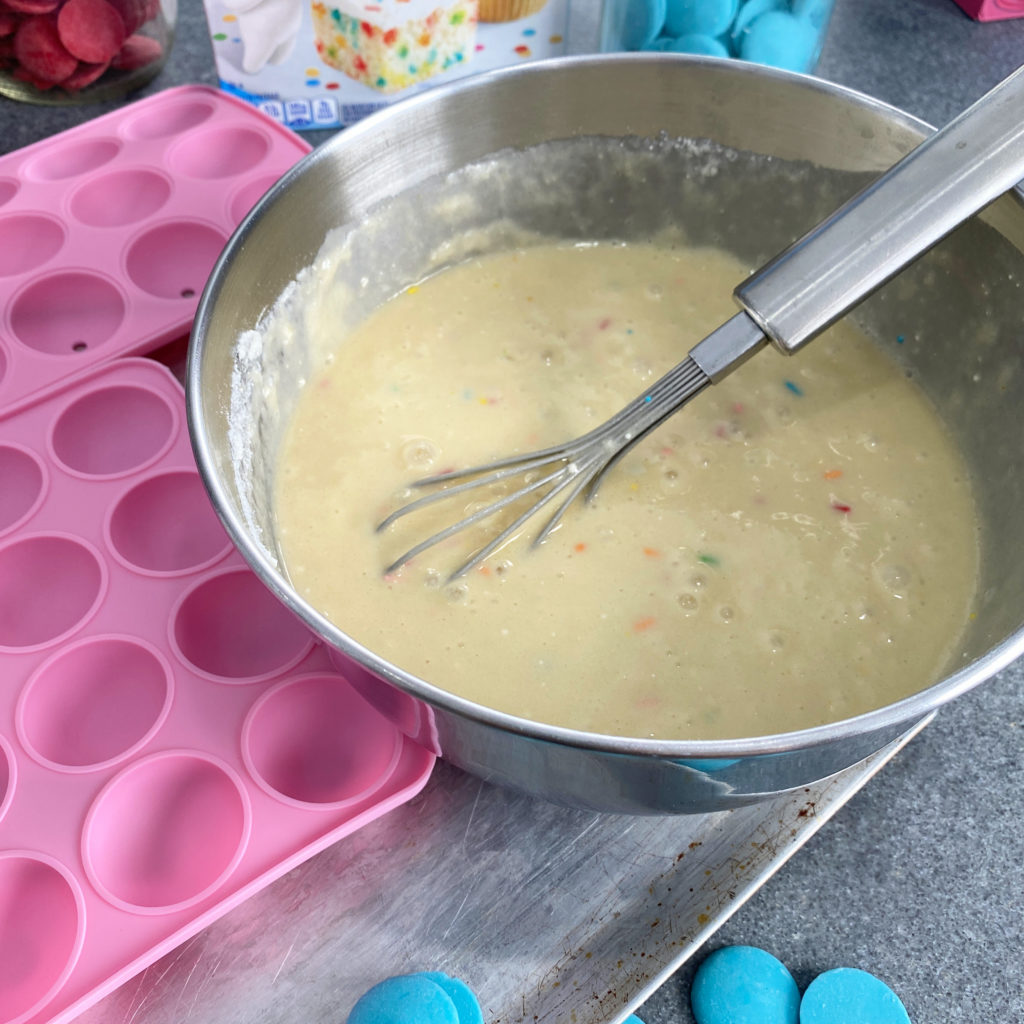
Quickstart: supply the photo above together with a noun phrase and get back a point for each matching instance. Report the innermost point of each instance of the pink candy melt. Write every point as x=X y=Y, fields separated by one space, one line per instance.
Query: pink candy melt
x=69 y=44
x=91 y=29
x=42 y=55
x=137 y=52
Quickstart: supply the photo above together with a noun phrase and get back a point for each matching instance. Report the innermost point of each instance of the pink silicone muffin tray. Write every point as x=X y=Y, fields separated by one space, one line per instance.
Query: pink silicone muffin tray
x=111 y=229
x=171 y=737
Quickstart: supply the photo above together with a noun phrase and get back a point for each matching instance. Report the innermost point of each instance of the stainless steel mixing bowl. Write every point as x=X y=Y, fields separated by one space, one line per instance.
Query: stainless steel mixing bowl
x=622 y=146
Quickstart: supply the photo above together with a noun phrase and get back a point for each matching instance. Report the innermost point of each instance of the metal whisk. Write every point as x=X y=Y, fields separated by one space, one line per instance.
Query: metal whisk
x=793 y=298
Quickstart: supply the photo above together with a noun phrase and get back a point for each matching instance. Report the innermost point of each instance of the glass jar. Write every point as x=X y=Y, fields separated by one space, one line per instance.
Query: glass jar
x=58 y=52
x=782 y=33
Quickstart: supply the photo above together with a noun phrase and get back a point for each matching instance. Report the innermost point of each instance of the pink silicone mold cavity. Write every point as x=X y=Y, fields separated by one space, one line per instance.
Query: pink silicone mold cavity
x=166 y=524
x=49 y=585
x=58 y=164
x=166 y=832
x=23 y=482
x=120 y=198
x=8 y=776
x=315 y=741
x=75 y=311
x=41 y=930
x=173 y=261
x=170 y=119
x=231 y=628
x=94 y=702
x=220 y=152
x=114 y=430
x=8 y=190
x=29 y=241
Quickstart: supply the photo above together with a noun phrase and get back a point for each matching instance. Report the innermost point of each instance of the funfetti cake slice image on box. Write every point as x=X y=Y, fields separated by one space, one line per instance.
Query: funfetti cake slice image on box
x=328 y=63
x=392 y=44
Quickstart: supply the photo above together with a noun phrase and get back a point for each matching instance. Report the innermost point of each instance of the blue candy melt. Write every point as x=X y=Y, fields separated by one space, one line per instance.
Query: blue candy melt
x=744 y=985
x=406 y=999
x=850 y=996
x=461 y=995
x=707 y=46
x=699 y=17
x=817 y=12
x=780 y=40
x=660 y=45
x=748 y=12
x=633 y=24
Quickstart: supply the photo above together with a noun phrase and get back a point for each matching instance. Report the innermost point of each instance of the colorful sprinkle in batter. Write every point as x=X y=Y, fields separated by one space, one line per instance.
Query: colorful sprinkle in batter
x=772 y=557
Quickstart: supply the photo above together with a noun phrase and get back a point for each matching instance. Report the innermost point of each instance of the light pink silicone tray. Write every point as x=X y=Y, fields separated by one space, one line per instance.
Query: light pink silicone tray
x=171 y=737
x=110 y=229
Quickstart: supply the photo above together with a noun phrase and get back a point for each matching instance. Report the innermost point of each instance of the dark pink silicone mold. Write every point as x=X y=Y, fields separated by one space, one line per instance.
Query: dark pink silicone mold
x=112 y=228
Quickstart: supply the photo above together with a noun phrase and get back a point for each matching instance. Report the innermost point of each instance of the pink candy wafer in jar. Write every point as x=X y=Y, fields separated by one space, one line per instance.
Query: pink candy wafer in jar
x=74 y=51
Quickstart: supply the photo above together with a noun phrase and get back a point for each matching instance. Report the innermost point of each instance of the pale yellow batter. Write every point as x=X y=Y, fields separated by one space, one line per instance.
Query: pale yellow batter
x=797 y=546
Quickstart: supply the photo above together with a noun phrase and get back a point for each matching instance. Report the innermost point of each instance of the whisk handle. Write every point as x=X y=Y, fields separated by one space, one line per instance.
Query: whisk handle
x=946 y=179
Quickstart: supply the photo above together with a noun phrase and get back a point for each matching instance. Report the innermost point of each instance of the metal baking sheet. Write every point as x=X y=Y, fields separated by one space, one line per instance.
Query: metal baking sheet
x=550 y=915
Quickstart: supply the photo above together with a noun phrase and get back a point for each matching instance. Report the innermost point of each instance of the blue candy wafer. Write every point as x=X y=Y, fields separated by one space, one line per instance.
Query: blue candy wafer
x=744 y=985
x=461 y=995
x=405 y=999
x=699 y=17
x=708 y=46
x=847 y=995
x=817 y=12
x=634 y=24
x=780 y=40
x=748 y=12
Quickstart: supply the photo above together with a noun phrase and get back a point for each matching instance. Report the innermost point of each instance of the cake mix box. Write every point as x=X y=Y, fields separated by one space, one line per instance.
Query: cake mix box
x=328 y=63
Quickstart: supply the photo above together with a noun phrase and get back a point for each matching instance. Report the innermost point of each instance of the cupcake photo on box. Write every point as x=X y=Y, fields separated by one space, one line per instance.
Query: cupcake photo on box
x=328 y=63
x=509 y=10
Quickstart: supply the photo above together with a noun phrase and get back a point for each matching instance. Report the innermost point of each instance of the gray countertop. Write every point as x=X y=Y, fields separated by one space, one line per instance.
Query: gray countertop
x=920 y=878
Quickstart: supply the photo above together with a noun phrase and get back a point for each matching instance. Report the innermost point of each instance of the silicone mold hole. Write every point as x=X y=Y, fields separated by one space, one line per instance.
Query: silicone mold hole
x=67 y=161
x=29 y=241
x=166 y=524
x=49 y=584
x=169 y=119
x=220 y=152
x=249 y=195
x=41 y=930
x=121 y=197
x=174 y=260
x=8 y=777
x=314 y=740
x=94 y=702
x=74 y=309
x=8 y=190
x=21 y=490
x=231 y=627
x=166 y=832
x=114 y=430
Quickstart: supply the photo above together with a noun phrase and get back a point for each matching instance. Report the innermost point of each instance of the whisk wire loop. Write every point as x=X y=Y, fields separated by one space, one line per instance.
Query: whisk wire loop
x=579 y=466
